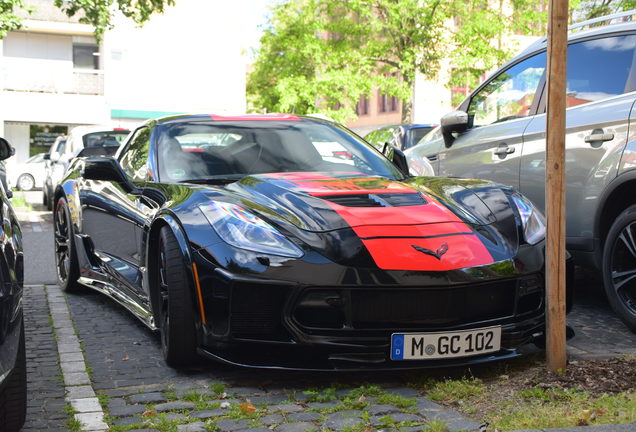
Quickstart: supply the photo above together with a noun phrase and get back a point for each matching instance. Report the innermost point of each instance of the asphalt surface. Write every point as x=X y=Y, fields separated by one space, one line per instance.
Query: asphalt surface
x=128 y=371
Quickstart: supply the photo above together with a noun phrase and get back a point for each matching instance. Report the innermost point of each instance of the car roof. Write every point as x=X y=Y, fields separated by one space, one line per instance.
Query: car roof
x=239 y=117
x=583 y=30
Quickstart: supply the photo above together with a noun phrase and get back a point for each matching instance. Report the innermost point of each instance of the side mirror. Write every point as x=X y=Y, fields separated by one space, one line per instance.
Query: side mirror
x=398 y=158
x=54 y=157
x=106 y=169
x=455 y=121
x=6 y=151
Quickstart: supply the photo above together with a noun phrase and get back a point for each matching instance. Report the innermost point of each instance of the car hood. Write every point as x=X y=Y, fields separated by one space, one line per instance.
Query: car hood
x=320 y=202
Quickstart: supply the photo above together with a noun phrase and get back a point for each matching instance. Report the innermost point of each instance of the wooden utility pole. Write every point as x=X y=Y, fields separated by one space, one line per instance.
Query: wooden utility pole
x=555 y=185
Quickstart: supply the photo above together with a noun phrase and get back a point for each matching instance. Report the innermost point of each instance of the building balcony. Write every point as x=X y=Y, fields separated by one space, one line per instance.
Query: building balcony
x=55 y=80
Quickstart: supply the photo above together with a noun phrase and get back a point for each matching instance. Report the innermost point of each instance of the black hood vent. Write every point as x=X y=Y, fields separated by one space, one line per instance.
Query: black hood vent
x=377 y=200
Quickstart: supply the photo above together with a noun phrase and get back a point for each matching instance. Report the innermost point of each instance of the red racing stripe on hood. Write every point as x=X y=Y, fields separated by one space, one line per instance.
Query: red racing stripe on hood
x=426 y=237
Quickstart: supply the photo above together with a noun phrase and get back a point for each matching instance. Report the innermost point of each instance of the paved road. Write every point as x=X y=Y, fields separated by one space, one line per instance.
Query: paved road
x=126 y=369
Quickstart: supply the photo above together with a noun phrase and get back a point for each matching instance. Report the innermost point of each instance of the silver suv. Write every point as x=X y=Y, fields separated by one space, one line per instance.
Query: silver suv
x=498 y=133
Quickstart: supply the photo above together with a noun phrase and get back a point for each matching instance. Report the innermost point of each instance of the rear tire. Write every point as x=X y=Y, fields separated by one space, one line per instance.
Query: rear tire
x=13 y=398
x=178 y=335
x=49 y=200
x=619 y=267
x=25 y=182
x=65 y=254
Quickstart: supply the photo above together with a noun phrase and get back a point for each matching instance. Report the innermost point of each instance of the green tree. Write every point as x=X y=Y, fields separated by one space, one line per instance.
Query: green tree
x=323 y=55
x=98 y=13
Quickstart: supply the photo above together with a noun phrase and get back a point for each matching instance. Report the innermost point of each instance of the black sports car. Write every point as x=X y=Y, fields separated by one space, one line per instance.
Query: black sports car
x=243 y=239
x=13 y=383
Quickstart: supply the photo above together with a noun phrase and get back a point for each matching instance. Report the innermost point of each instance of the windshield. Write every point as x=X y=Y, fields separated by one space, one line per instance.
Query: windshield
x=192 y=151
x=104 y=139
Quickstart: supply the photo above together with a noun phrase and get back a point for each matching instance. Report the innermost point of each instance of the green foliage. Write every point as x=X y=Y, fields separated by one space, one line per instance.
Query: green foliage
x=98 y=13
x=549 y=408
x=324 y=55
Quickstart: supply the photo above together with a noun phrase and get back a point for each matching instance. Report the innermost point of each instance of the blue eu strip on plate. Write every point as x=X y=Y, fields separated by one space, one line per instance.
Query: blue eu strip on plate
x=397 y=346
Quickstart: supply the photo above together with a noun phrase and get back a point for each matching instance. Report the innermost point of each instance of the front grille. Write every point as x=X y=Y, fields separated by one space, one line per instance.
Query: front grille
x=407 y=308
x=432 y=307
x=256 y=310
x=377 y=200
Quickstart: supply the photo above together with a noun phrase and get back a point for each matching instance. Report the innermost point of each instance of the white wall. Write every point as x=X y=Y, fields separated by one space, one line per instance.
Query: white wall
x=188 y=60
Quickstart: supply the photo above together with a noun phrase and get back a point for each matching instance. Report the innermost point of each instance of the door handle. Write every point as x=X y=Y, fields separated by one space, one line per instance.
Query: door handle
x=504 y=150
x=598 y=136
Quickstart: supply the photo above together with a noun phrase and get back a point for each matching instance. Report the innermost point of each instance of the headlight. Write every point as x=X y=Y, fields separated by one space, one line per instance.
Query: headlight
x=244 y=230
x=532 y=219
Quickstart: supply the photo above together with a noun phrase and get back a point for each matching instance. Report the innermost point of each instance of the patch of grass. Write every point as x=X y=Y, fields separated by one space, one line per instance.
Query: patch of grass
x=103 y=400
x=170 y=394
x=19 y=200
x=538 y=408
x=327 y=394
x=435 y=426
x=396 y=400
x=124 y=428
x=455 y=390
x=218 y=388
x=73 y=424
x=68 y=409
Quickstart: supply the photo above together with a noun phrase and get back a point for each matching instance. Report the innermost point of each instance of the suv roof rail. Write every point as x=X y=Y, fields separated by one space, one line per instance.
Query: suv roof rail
x=607 y=18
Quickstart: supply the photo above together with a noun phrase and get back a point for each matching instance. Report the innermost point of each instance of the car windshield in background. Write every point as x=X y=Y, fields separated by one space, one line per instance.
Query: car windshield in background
x=105 y=139
x=233 y=149
x=417 y=134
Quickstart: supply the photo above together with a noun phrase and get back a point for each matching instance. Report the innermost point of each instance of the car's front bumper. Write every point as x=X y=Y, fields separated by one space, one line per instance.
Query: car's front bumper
x=272 y=323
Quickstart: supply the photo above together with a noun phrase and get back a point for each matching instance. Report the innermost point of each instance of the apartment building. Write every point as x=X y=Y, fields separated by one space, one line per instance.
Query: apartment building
x=54 y=74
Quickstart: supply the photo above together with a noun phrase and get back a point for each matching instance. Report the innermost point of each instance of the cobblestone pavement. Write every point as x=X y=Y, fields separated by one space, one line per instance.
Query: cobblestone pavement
x=599 y=332
x=45 y=392
x=131 y=372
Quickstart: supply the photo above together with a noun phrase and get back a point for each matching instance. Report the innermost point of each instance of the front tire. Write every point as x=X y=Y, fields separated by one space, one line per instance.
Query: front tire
x=65 y=254
x=13 y=398
x=619 y=267
x=178 y=336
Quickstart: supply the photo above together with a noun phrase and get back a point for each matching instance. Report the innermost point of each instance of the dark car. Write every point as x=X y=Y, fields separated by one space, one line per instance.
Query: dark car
x=238 y=240
x=12 y=352
x=402 y=136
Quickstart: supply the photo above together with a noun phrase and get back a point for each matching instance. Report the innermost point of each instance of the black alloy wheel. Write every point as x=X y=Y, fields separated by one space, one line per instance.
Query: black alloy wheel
x=65 y=254
x=619 y=267
x=13 y=397
x=178 y=337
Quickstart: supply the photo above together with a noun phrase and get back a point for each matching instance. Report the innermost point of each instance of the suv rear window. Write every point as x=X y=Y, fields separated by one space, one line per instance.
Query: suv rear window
x=104 y=139
x=600 y=68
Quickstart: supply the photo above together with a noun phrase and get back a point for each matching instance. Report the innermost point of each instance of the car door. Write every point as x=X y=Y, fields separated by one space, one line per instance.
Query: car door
x=499 y=112
x=601 y=78
x=113 y=215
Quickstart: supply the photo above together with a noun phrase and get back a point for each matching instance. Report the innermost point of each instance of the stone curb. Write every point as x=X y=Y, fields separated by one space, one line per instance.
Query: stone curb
x=79 y=392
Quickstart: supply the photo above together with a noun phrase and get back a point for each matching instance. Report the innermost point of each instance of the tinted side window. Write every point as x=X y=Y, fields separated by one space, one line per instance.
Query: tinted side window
x=510 y=94
x=600 y=68
x=135 y=159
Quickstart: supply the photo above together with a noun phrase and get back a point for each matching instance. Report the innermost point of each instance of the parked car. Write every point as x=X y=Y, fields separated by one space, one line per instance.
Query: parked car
x=402 y=136
x=13 y=385
x=97 y=140
x=29 y=174
x=56 y=150
x=260 y=251
x=498 y=133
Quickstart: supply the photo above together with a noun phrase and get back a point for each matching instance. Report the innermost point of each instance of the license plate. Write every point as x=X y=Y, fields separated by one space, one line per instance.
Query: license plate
x=464 y=343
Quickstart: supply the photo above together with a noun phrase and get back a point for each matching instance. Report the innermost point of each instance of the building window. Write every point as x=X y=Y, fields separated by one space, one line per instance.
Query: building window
x=85 y=56
x=363 y=106
x=387 y=103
